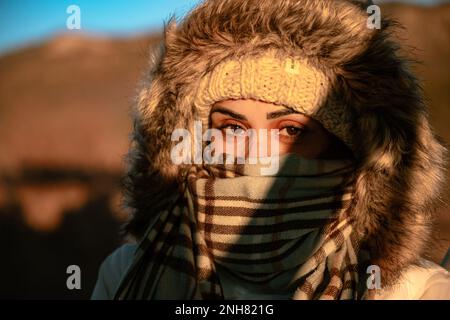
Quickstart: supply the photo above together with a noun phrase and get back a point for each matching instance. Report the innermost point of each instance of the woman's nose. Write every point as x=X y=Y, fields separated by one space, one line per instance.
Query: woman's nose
x=265 y=143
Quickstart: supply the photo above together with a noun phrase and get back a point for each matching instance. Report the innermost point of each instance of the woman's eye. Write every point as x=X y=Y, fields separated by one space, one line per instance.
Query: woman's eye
x=233 y=129
x=291 y=131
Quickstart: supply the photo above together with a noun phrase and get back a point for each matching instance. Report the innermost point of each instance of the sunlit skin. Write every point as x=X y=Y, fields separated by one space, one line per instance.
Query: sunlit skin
x=298 y=133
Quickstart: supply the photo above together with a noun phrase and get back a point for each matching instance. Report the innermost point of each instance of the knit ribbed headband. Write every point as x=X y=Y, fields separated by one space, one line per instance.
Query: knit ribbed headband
x=285 y=81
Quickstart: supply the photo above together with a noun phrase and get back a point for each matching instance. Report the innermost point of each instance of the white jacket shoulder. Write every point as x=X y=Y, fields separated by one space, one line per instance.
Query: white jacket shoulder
x=425 y=281
x=111 y=271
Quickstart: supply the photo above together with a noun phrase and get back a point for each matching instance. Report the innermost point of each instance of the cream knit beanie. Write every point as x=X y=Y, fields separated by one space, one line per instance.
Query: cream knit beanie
x=276 y=78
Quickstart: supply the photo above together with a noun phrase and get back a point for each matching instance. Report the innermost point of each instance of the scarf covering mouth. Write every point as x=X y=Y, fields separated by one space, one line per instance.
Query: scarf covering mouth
x=256 y=226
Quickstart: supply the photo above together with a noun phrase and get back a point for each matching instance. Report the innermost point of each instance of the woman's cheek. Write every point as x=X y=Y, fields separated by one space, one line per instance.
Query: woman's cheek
x=309 y=145
x=237 y=146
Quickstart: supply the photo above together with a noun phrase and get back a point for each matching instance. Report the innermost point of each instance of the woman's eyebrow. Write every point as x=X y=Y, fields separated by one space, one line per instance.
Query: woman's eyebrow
x=280 y=113
x=228 y=112
x=270 y=115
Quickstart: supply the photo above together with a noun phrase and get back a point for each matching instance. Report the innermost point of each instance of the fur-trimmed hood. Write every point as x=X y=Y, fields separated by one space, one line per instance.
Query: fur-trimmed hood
x=401 y=161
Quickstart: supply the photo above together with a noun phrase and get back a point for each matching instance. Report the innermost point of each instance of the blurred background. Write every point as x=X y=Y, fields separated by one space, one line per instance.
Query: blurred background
x=65 y=96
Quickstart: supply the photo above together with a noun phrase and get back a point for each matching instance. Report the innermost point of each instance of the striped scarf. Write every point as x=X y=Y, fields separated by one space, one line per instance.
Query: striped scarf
x=258 y=228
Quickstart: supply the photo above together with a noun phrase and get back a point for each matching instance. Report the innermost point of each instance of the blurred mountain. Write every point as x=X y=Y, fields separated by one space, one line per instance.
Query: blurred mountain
x=64 y=103
x=426 y=38
x=64 y=128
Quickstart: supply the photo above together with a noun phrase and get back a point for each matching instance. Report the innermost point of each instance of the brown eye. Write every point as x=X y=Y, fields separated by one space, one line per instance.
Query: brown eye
x=291 y=131
x=233 y=129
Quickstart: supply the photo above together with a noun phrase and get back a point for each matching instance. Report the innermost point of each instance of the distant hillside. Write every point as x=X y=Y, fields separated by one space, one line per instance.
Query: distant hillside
x=65 y=102
x=426 y=35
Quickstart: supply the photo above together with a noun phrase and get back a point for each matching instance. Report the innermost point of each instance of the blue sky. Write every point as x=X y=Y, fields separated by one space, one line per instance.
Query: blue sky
x=25 y=21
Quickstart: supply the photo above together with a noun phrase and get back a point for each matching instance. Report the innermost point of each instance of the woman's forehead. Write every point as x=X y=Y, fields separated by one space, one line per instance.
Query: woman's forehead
x=248 y=103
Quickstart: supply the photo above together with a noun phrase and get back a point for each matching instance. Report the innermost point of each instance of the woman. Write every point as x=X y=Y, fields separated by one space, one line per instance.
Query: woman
x=359 y=172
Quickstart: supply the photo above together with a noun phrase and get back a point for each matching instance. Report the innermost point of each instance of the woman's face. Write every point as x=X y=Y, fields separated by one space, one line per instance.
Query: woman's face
x=297 y=133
